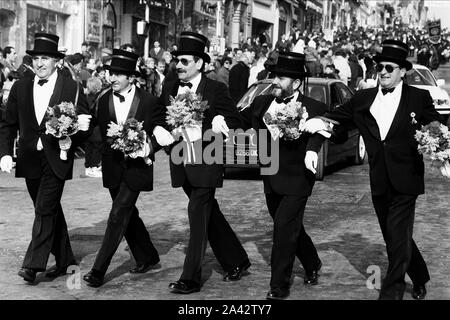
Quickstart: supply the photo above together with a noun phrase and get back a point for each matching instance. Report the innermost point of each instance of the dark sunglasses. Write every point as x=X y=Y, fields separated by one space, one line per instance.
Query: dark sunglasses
x=183 y=61
x=389 y=68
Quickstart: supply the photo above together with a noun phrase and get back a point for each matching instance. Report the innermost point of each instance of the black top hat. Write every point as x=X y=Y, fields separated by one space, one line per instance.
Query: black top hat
x=194 y=44
x=123 y=62
x=46 y=44
x=394 y=51
x=290 y=64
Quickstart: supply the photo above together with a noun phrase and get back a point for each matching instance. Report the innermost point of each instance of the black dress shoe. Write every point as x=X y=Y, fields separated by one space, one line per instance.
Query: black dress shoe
x=184 y=286
x=27 y=274
x=311 y=278
x=58 y=271
x=94 y=278
x=236 y=273
x=278 y=294
x=419 y=291
x=144 y=267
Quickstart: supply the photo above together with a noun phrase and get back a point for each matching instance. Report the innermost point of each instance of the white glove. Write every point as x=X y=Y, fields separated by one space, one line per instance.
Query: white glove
x=445 y=169
x=314 y=125
x=83 y=122
x=6 y=163
x=311 y=160
x=219 y=125
x=163 y=137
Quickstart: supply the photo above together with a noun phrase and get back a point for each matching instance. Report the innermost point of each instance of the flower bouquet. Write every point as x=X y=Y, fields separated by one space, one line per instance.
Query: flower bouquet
x=186 y=112
x=62 y=122
x=129 y=138
x=434 y=140
x=287 y=121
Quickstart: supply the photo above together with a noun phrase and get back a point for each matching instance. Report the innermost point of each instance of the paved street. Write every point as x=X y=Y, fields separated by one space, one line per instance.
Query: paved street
x=339 y=217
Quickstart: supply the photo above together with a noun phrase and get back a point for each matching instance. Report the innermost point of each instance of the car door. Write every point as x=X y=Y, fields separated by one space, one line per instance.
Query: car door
x=337 y=152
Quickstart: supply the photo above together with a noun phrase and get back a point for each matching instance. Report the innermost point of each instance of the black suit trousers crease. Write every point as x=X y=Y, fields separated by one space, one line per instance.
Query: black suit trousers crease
x=123 y=221
x=289 y=238
x=395 y=213
x=207 y=222
x=49 y=234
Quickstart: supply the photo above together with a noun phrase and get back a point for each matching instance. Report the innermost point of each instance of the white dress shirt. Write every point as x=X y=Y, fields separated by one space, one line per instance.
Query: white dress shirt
x=195 y=82
x=123 y=108
x=41 y=98
x=384 y=108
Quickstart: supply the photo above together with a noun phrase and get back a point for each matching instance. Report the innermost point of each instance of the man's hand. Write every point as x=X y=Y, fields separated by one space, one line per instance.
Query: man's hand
x=314 y=125
x=6 y=163
x=144 y=152
x=163 y=137
x=311 y=160
x=219 y=125
x=83 y=121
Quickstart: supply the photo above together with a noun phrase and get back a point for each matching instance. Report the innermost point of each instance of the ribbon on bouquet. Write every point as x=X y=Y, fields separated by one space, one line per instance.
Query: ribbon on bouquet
x=190 y=157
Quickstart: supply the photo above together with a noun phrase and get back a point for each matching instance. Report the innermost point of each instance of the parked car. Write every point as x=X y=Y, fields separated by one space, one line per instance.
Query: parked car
x=333 y=93
x=421 y=77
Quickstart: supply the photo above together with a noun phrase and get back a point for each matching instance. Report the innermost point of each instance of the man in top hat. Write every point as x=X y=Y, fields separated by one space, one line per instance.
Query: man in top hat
x=387 y=117
x=127 y=177
x=38 y=156
x=287 y=190
x=200 y=180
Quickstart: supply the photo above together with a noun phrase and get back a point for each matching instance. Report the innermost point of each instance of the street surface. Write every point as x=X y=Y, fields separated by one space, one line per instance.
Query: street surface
x=339 y=217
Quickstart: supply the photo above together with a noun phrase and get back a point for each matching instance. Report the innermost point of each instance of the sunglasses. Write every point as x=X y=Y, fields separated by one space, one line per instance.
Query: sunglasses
x=389 y=68
x=183 y=61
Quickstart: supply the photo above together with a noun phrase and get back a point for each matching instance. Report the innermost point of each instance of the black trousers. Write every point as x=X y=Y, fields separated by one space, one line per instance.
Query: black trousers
x=289 y=238
x=49 y=234
x=92 y=154
x=123 y=221
x=395 y=212
x=207 y=222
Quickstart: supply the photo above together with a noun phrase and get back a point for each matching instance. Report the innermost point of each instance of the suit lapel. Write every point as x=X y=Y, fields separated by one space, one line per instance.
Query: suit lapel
x=56 y=96
x=265 y=106
x=31 y=101
x=201 y=87
x=112 y=111
x=134 y=105
x=400 y=114
x=370 y=121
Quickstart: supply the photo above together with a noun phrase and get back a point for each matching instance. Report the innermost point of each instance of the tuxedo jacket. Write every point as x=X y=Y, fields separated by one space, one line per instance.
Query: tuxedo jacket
x=115 y=167
x=292 y=177
x=394 y=159
x=20 y=115
x=220 y=103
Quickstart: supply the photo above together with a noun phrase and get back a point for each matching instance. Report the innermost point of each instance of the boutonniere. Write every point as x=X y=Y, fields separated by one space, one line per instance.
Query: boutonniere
x=413 y=118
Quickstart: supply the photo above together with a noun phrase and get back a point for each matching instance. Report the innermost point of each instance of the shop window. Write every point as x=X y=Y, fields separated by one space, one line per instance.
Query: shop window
x=39 y=20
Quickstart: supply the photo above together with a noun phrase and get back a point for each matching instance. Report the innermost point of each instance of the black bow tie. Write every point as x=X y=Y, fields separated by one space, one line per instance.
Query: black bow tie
x=121 y=97
x=186 y=84
x=384 y=91
x=285 y=100
x=42 y=81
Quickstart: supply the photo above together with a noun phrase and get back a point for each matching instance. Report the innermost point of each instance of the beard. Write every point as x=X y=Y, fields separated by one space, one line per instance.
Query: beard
x=280 y=92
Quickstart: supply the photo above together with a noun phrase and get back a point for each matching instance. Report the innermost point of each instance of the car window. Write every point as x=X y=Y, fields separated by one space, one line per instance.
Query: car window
x=344 y=92
x=316 y=92
x=254 y=91
x=335 y=99
x=419 y=77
